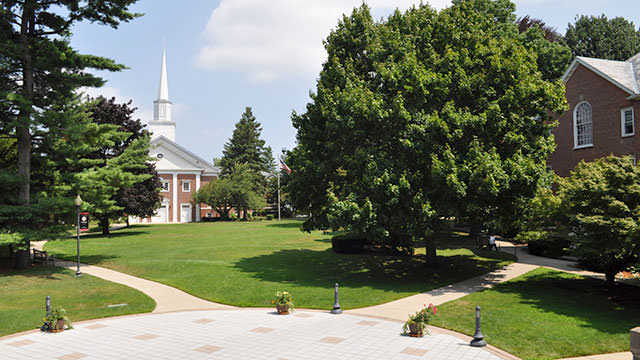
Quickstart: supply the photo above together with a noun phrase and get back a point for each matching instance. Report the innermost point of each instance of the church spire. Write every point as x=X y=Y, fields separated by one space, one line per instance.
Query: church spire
x=161 y=123
x=163 y=90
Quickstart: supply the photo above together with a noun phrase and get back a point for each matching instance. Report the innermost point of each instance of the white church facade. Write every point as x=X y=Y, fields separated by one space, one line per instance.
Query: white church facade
x=182 y=172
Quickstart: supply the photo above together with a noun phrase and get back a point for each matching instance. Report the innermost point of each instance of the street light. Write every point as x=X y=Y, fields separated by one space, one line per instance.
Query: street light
x=78 y=202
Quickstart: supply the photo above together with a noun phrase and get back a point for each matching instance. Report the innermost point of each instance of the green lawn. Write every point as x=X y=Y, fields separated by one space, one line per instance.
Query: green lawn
x=244 y=263
x=547 y=314
x=23 y=293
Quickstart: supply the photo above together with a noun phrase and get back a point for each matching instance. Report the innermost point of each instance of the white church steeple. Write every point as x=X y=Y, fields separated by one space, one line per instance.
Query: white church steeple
x=161 y=123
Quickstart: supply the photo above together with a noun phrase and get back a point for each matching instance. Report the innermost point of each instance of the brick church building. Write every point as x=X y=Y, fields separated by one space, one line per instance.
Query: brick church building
x=604 y=100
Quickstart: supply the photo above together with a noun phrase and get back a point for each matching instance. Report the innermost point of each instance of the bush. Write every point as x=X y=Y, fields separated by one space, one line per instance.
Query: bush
x=269 y=216
x=233 y=216
x=349 y=243
x=542 y=243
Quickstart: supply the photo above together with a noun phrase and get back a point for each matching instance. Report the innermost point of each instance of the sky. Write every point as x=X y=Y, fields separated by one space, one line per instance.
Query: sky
x=225 y=55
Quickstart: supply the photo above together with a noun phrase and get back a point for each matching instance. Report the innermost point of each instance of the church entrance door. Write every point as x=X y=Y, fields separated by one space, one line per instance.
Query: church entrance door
x=185 y=213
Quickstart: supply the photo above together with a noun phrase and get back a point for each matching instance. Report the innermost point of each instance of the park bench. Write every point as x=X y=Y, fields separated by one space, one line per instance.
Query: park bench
x=42 y=257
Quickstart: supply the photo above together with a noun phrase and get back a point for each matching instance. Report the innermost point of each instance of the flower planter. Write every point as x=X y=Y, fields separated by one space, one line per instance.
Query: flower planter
x=282 y=309
x=414 y=330
x=57 y=327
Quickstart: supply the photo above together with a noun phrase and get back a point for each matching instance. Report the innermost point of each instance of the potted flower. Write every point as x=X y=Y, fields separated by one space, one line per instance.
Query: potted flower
x=417 y=323
x=284 y=302
x=56 y=321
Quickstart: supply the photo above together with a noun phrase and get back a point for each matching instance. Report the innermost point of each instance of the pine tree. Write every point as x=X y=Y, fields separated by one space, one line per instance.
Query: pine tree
x=40 y=73
x=245 y=146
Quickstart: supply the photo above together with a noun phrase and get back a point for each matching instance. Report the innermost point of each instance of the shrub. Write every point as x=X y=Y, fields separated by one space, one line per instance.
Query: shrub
x=543 y=243
x=233 y=216
x=349 y=243
x=269 y=216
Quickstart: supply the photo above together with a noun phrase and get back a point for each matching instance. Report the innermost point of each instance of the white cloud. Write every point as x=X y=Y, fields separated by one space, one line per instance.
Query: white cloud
x=279 y=38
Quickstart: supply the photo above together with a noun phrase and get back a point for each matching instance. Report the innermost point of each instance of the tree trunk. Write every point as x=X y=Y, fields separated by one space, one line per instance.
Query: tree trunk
x=610 y=276
x=127 y=221
x=430 y=248
x=104 y=223
x=23 y=257
x=474 y=233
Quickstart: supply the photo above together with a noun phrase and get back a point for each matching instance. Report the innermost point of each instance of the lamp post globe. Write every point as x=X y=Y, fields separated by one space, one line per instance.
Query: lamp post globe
x=78 y=203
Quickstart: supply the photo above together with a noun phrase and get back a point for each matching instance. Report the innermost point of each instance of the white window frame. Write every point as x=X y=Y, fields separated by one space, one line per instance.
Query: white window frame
x=575 y=126
x=622 y=122
x=205 y=206
x=168 y=185
x=185 y=182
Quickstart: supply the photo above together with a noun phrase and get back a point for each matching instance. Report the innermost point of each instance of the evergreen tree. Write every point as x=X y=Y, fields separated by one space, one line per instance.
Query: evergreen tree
x=40 y=73
x=143 y=197
x=246 y=147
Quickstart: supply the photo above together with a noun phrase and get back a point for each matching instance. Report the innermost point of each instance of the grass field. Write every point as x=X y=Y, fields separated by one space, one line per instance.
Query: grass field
x=547 y=314
x=23 y=293
x=244 y=263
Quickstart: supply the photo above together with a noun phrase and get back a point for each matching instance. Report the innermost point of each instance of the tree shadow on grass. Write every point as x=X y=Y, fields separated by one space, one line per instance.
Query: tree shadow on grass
x=287 y=225
x=586 y=299
x=390 y=273
x=36 y=271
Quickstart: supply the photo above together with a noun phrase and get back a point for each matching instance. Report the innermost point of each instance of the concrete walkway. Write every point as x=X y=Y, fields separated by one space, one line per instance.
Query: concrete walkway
x=167 y=298
x=239 y=334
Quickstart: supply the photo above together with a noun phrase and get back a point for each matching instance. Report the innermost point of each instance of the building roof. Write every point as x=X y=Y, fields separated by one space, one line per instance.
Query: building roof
x=190 y=161
x=623 y=74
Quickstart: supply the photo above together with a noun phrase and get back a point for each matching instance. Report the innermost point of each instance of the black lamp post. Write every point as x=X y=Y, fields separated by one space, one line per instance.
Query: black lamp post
x=78 y=202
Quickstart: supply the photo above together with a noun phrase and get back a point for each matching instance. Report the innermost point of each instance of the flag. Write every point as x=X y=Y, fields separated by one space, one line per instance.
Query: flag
x=284 y=167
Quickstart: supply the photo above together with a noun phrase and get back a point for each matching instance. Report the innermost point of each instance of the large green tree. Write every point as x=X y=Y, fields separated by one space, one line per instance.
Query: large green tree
x=39 y=75
x=600 y=37
x=601 y=201
x=423 y=117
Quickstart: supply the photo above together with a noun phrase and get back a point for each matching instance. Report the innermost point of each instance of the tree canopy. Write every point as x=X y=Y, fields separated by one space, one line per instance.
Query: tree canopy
x=423 y=117
x=600 y=37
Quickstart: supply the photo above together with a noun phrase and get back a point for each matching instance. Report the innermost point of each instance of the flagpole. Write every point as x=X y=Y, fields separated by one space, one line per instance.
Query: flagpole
x=279 y=187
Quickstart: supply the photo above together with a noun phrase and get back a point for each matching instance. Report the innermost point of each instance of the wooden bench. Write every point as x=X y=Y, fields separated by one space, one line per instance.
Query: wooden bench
x=42 y=257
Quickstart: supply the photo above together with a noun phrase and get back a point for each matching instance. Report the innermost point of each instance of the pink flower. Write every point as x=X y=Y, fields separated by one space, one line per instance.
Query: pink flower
x=435 y=310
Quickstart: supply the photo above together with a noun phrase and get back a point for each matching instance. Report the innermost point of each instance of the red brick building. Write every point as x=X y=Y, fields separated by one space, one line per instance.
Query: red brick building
x=604 y=101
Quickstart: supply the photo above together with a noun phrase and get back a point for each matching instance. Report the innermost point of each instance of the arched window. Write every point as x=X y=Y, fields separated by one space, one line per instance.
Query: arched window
x=582 y=125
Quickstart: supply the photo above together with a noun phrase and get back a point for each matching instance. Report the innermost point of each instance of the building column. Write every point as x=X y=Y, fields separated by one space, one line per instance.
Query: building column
x=197 y=210
x=174 y=216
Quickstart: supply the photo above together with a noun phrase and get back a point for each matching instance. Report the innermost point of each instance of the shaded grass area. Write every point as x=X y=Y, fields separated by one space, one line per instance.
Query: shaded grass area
x=244 y=263
x=546 y=314
x=23 y=293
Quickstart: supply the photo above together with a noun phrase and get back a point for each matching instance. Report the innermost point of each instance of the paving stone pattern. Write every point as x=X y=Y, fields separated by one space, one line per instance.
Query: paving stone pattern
x=238 y=334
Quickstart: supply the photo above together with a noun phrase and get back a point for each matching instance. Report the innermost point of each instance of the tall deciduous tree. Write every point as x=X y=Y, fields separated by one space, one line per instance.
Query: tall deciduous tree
x=600 y=37
x=41 y=71
x=423 y=117
x=601 y=200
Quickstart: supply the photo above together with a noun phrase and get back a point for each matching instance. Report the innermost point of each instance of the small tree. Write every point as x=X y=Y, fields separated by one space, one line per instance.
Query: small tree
x=237 y=190
x=218 y=194
x=602 y=202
